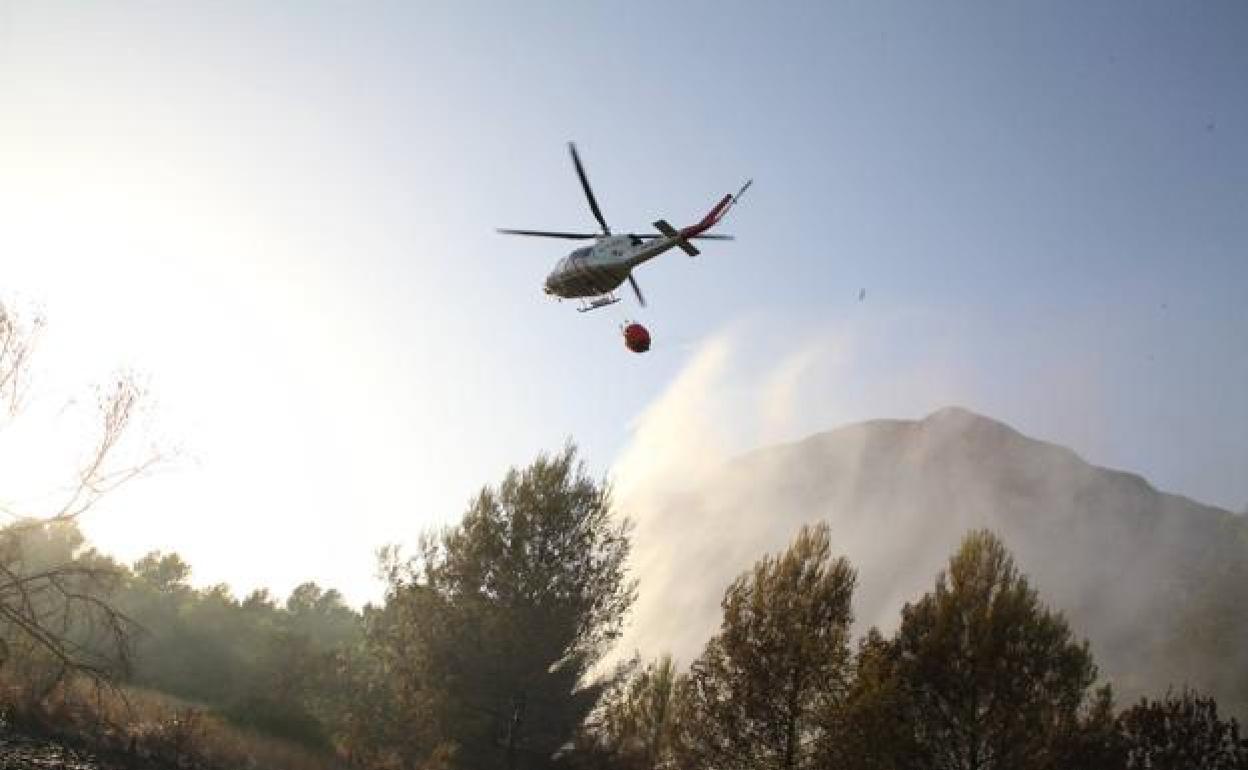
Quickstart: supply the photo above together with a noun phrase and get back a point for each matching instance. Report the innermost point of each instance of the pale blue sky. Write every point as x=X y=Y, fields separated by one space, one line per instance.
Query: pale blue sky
x=284 y=213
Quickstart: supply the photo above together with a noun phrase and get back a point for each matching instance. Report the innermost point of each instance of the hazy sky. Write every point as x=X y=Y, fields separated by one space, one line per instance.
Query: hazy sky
x=282 y=214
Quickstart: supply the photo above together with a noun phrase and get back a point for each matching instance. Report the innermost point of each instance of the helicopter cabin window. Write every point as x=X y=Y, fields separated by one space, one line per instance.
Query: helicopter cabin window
x=580 y=253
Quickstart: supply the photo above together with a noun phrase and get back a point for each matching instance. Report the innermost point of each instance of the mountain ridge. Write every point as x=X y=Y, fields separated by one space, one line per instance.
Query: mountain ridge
x=1156 y=581
x=964 y=413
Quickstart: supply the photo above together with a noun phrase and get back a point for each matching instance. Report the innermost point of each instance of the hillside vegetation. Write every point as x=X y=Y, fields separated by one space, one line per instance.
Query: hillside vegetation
x=484 y=653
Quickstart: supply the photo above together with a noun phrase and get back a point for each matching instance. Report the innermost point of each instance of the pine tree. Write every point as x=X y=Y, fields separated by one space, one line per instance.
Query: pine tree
x=635 y=725
x=1179 y=732
x=985 y=677
x=754 y=696
x=493 y=631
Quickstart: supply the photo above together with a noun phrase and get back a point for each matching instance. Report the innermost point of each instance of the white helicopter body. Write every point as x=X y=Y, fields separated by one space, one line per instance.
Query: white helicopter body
x=593 y=273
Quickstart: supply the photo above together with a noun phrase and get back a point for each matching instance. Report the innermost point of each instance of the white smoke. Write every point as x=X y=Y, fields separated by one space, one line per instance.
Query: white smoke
x=900 y=494
x=693 y=534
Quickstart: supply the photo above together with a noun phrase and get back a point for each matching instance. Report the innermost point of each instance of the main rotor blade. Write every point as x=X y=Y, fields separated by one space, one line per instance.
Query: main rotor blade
x=593 y=203
x=550 y=234
x=709 y=237
x=636 y=289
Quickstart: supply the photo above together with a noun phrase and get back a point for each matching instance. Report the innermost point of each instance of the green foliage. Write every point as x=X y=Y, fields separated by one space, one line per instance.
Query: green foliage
x=1179 y=732
x=56 y=616
x=1093 y=741
x=362 y=699
x=979 y=675
x=484 y=652
x=281 y=718
x=754 y=697
x=164 y=574
x=491 y=634
x=263 y=666
x=1205 y=641
x=635 y=725
x=865 y=732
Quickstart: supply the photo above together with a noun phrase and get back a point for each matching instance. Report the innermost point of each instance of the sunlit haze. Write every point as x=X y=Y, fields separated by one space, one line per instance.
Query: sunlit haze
x=282 y=216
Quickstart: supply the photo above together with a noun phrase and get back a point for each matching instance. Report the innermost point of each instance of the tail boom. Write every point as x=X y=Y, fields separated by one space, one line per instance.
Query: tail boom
x=680 y=238
x=716 y=214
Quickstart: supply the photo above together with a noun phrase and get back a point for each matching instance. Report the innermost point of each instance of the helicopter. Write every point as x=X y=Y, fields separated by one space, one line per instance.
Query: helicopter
x=593 y=273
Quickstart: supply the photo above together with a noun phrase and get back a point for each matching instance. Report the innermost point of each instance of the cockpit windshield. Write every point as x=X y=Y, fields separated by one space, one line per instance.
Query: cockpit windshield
x=579 y=253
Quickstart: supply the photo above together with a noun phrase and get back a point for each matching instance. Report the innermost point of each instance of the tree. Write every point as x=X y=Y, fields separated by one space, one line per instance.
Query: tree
x=864 y=732
x=56 y=619
x=322 y=615
x=165 y=573
x=263 y=666
x=260 y=601
x=635 y=725
x=754 y=697
x=303 y=600
x=56 y=613
x=493 y=631
x=362 y=705
x=984 y=676
x=1179 y=732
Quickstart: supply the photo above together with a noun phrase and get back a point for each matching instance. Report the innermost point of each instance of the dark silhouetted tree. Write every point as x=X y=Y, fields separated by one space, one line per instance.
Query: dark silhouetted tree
x=1181 y=732
x=493 y=630
x=865 y=731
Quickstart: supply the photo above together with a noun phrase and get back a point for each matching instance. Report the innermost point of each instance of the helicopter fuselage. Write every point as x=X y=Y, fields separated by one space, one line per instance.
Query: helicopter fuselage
x=600 y=269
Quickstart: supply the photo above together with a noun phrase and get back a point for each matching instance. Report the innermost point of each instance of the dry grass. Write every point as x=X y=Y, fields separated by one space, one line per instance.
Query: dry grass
x=154 y=728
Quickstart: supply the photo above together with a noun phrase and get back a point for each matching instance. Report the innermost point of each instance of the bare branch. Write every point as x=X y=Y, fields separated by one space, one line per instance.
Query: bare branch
x=118 y=407
x=56 y=617
x=18 y=337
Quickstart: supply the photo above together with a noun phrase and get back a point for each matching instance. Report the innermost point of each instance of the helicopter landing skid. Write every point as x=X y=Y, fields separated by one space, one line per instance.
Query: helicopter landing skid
x=597 y=302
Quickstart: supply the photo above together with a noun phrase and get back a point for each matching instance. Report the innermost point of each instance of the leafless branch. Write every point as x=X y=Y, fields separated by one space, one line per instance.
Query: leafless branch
x=18 y=337
x=60 y=613
x=56 y=617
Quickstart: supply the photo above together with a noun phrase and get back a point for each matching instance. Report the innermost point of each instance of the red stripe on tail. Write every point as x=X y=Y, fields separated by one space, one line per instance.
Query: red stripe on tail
x=710 y=219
